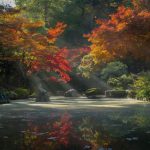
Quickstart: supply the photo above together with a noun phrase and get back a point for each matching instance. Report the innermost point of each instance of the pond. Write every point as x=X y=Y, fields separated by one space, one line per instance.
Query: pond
x=75 y=124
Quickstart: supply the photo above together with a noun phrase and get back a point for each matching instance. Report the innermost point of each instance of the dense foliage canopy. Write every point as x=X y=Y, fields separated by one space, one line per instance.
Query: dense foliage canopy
x=127 y=32
x=79 y=15
x=32 y=44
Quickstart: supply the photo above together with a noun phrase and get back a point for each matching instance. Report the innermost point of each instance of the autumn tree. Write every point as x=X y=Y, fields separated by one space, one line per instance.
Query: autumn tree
x=141 y=4
x=32 y=45
x=125 y=33
x=79 y=15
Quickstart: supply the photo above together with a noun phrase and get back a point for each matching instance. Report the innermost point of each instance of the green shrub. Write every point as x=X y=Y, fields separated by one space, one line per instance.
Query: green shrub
x=12 y=95
x=116 y=93
x=121 y=83
x=113 y=69
x=22 y=93
x=93 y=92
x=142 y=86
x=114 y=83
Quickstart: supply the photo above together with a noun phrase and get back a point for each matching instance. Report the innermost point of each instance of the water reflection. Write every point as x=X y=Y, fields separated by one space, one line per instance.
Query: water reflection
x=107 y=131
x=66 y=134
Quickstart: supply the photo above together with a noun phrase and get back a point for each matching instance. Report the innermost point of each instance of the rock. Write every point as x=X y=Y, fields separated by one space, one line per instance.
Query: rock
x=71 y=93
x=42 y=95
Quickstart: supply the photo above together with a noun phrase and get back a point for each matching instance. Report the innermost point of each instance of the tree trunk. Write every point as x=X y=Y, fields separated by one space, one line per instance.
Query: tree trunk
x=41 y=93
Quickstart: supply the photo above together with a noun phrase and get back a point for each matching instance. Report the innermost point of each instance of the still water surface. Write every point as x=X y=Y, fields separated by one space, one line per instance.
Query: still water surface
x=75 y=124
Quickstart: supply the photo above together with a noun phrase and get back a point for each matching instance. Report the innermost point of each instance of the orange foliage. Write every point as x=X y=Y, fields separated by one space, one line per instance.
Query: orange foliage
x=127 y=32
x=53 y=33
x=21 y=39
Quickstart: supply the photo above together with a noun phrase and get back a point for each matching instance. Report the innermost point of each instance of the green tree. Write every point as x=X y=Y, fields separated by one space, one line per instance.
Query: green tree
x=42 y=9
x=122 y=82
x=142 y=86
x=79 y=15
x=113 y=69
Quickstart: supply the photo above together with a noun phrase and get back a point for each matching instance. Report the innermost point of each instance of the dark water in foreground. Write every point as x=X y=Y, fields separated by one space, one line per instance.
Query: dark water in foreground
x=125 y=129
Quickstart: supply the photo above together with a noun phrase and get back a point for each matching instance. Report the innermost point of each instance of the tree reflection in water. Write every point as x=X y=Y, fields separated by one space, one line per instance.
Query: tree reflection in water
x=65 y=134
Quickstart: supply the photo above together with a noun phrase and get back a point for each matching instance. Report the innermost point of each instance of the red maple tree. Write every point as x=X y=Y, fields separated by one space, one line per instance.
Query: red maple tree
x=33 y=45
